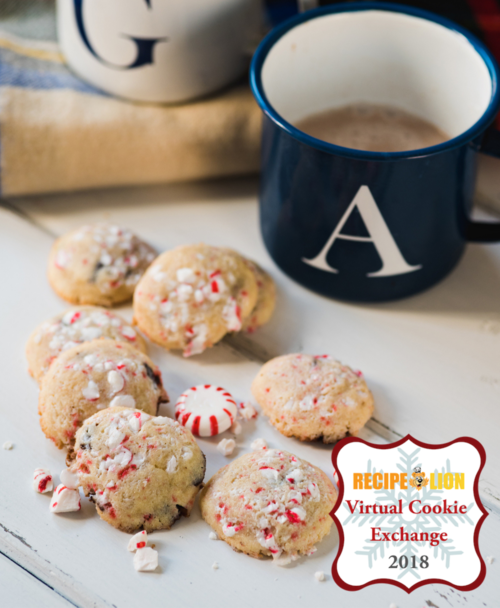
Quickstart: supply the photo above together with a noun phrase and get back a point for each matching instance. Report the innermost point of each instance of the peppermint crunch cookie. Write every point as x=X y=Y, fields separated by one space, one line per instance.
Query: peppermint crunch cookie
x=313 y=397
x=192 y=296
x=73 y=327
x=269 y=503
x=266 y=300
x=93 y=376
x=98 y=264
x=142 y=472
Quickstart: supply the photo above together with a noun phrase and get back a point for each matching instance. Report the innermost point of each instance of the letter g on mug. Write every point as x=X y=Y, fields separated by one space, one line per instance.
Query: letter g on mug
x=160 y=51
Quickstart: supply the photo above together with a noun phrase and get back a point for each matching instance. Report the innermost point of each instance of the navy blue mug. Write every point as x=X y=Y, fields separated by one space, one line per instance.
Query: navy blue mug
x=372 y=226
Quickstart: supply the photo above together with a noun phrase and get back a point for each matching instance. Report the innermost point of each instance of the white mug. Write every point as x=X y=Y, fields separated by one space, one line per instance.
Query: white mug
x=162 y=51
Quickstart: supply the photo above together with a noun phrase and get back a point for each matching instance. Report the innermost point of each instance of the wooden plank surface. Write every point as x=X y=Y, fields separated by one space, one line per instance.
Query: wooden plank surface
x=431 y=361
x=28 y=591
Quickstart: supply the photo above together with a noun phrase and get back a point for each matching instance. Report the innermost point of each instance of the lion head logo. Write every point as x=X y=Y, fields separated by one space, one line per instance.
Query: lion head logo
x=418 y=479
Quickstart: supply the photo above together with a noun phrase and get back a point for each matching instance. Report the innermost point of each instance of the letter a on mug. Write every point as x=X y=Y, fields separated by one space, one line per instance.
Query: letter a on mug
x=392 y=260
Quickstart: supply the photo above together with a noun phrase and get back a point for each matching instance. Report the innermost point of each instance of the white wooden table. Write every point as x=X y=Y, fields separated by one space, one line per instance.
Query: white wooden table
x=432 y=361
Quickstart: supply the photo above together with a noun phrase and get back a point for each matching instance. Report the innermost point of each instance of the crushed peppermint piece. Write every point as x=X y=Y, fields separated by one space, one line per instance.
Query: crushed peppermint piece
x=106 y=259
x=129 y=333
x=269 y=473
x=267 y=540
x=297 y=514
x=319 y=576
x=116 y=436
x=123 y=401
x=122 y=458
x=186 y=275
x=295 y=476
x=187 y=454
x=172 y=465
x=198 y=340
x=236 y=428
x=62 y=259
x=161 y=420
x=42 y=481
x=116 y=381
x=215 y=566
x=232 y=315
x=213 y=536
x=8 y=445
x=393 y=605
x=229 y=530
x=206 y=410
x=184 y=292
x=258 y=444
x=314 y=491
x=285 y=559
x=138 y=541
x=136 y=421
x=65 y=500
x=87 y=334
x=336 y=478
x=490 y=559
x=91 y=391
x=247 y=411
x=226 y=446
x=146 y=560
x=90 y=360
x=69 y=479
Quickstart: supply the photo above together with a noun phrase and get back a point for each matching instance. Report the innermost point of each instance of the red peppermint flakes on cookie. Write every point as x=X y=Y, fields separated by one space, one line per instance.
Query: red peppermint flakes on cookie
x=206 y=410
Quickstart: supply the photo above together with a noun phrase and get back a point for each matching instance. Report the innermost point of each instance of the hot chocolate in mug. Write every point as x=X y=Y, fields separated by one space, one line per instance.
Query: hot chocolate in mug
x=158 y=50
x=372 y=226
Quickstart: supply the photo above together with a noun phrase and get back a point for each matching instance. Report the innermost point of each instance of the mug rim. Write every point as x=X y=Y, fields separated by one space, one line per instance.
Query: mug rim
x=278 y=32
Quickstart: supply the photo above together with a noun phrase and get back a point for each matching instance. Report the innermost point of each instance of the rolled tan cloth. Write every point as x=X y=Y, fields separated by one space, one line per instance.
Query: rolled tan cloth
x=58 y=133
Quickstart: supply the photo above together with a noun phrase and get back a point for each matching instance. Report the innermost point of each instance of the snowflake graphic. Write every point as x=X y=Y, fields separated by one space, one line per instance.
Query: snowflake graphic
x=420 y=523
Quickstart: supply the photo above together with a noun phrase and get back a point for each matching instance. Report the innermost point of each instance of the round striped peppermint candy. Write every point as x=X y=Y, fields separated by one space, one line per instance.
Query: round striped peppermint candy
x=206 y=410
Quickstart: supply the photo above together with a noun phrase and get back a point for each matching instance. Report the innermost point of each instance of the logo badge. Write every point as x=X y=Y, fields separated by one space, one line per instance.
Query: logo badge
x=408 y=514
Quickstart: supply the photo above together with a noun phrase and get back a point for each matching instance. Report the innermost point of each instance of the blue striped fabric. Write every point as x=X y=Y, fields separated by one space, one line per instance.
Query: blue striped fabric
x=20 y=71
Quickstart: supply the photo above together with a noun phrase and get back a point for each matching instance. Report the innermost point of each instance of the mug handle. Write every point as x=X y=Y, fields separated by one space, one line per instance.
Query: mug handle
x=486 y=232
